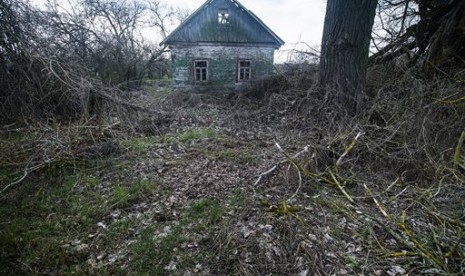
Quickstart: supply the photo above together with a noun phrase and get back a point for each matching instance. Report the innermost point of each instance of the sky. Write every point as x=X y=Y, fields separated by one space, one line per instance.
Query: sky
x=298 y=22
x=294 y=21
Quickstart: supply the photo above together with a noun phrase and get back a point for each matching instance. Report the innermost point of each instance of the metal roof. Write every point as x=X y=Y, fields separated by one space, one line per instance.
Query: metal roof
x=244 y=27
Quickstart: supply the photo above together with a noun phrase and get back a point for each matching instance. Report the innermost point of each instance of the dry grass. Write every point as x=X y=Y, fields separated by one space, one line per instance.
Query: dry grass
x=403 y=179
x=382 y=192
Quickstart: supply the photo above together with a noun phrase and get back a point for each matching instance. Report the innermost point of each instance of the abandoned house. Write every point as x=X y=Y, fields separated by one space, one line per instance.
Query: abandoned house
x=221 y=45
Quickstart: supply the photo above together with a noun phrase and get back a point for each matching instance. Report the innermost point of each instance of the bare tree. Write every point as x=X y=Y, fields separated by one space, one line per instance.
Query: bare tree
x=391 y=21
x=53 y=58
x=107 y=35
x=431 y=34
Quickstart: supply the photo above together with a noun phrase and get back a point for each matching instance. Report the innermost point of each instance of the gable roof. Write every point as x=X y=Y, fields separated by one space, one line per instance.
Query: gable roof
x=244 y=27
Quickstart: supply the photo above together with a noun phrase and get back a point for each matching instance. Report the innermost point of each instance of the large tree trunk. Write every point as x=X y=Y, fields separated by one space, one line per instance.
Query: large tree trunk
x=344 y=50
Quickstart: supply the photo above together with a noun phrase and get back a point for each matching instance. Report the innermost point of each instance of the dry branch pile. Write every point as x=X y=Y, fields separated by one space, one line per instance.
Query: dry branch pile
x=396 y=165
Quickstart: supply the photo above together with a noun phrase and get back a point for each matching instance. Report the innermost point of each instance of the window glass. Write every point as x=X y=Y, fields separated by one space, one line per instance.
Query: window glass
x=223 y=16
x=200 y=70
x=244 y=70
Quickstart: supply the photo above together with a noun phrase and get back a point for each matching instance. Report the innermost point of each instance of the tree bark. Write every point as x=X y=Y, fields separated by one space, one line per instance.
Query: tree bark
x=344 y=50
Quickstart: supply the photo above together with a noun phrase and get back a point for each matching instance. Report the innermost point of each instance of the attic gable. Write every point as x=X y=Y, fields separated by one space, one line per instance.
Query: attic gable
x=223 y=21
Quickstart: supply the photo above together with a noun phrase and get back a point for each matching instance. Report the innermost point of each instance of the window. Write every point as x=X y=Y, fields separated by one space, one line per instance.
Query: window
x=244 y=70
x=200 y=70
x=223 y=17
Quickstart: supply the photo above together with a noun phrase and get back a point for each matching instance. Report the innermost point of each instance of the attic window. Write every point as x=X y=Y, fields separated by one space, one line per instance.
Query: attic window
x=223 y=17
x=244 y=70
x=200 y=70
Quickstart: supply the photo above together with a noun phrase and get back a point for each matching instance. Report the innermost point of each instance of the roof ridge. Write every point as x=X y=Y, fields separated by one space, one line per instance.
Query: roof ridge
x=239 y=5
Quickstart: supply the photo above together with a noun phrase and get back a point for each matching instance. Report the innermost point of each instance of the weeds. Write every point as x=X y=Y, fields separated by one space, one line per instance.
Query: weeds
x=408 y=136
x=51 y=148
x=38 y=230
x=194 y=134
x=140 y=144
x=175 y=248
x=126 y=195
x=379 y=193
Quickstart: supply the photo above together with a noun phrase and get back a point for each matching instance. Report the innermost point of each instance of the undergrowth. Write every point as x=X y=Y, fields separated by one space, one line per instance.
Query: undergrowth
x=398 y=166
x=328 y=194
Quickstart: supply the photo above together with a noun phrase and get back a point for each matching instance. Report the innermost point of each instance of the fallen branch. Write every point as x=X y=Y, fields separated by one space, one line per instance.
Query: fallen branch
x=459 y=161
x=380 y=207
x=349 y=148
x=339 y=186
x=15 y=182
x=272 y=169
x=26 y=172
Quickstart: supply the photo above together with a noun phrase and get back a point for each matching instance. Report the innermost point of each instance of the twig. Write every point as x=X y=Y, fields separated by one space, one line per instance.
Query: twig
x=340 y=187
x=458 y=153
x=111 y=125
x=267 y=172
x=15 y=182
x=349 y=148
x=27 y=170
x=380 y=207
x=279 y=163
x=418 y=245
x=392 y=184
x=300 y=182
x=401 y=192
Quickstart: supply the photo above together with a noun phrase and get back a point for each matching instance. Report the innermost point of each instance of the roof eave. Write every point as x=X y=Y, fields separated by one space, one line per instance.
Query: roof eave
x=279 y=41
x=184 y=22
x=275 y=36
x=238 y=44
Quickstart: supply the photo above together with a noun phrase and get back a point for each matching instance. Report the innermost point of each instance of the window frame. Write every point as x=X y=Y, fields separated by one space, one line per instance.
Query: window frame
x=239 y=68
x=223 y=14
x=206 y=68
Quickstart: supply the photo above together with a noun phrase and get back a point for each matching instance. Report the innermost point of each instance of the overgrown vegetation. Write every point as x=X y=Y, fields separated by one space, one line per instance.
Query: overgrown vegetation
x=379 y=192
x=274 y=180
x=68 y=61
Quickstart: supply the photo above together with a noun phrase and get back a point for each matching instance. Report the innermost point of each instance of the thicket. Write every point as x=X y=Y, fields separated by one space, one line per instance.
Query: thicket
x=65 y=60
x=412 y=130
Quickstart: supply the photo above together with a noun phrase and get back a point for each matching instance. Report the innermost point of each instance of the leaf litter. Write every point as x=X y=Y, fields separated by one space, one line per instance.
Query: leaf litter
x=212 y=219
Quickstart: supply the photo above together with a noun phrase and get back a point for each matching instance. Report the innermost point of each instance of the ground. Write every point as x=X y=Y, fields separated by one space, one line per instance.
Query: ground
x=216 y=185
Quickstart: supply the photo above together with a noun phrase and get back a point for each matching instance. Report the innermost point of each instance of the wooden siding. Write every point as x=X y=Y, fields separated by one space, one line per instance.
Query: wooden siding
x=243 y=27
x=222 y=65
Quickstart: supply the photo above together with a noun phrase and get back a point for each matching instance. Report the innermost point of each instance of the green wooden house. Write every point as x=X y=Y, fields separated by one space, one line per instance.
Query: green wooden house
x=222 y=45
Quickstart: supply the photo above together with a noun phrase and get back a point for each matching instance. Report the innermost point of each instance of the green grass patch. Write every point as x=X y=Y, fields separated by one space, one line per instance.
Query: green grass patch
x=229 y=149
x=152 y=254
x=41 y=218
x=208 y=209
x=194 y=134
x=237 y=198
x=159 y=89
x=124 y=195
x=140 y=144
x=38 y=219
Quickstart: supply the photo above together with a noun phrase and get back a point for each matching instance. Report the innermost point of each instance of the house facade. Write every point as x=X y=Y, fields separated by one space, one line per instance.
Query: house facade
x=222 y=45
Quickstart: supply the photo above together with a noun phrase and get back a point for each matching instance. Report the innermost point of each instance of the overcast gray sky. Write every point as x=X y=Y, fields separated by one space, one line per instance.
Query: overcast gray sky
x=292 y=20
